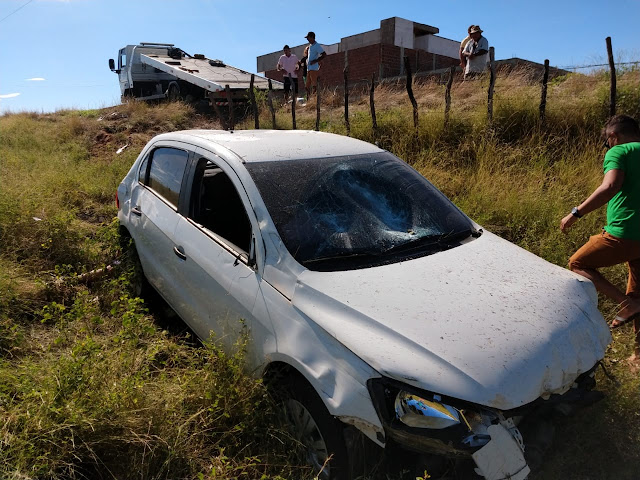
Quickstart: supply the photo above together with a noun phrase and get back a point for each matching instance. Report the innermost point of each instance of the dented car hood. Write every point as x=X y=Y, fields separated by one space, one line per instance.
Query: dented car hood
x=486 y=322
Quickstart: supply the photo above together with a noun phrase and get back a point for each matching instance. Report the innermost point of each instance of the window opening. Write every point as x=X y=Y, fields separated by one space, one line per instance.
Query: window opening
x=217 y=206
x=166 y=172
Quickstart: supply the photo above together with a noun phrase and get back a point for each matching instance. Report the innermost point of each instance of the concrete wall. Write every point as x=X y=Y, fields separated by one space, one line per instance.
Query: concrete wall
x=365 y=39
x=438 y=45
x=403 y=33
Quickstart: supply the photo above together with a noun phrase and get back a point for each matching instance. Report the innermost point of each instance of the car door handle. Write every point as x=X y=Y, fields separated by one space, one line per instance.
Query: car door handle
x=136 y=210
x=179 y=251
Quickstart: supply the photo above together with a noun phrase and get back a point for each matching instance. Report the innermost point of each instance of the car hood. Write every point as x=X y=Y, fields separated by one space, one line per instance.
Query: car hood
x=486 y=322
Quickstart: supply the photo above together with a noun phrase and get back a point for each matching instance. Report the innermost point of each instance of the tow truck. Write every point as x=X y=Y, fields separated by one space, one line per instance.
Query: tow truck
x=151 y=71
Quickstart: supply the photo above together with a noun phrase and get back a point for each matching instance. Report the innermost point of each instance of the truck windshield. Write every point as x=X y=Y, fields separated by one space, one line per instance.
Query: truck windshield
x=349 y=212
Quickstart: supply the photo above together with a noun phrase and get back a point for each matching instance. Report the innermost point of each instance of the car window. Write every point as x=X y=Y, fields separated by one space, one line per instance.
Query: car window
x=217 y=206
x=357 y=211
x=142 y=173
x=166 y=172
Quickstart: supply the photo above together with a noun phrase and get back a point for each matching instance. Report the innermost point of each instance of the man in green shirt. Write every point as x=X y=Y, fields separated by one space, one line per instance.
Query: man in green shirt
x=619 y=241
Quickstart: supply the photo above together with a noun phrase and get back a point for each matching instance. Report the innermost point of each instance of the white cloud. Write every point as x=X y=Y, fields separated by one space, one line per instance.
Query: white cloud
x=35 y=79
x=9 y=95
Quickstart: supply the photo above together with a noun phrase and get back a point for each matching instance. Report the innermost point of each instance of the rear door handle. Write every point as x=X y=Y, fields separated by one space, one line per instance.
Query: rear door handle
x=179 y=251
x=136 y=211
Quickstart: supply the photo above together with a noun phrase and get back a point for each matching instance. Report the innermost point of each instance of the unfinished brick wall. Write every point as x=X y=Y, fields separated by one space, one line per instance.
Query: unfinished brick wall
x=374 y=59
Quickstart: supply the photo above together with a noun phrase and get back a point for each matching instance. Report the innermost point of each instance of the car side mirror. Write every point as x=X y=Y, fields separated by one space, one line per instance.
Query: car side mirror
x=112 y=66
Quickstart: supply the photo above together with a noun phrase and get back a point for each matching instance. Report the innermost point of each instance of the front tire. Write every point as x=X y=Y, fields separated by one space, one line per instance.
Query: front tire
x=320 y=434
x=173 y=94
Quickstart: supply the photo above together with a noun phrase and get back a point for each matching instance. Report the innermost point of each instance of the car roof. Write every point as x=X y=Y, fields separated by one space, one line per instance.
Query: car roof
x=271 y=145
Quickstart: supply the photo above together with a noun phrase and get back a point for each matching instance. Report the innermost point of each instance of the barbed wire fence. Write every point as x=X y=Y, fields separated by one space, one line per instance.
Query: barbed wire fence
x=447 y=78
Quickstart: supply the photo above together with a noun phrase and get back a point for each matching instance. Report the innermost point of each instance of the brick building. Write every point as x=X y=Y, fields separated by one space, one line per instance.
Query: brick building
x=378 y=52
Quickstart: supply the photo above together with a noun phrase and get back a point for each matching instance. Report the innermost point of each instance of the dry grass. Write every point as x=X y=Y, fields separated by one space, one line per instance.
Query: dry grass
x=90 y=381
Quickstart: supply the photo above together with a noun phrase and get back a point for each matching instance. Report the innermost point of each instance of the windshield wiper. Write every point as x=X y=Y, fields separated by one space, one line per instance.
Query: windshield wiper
x=445 y=241
x=343 y=256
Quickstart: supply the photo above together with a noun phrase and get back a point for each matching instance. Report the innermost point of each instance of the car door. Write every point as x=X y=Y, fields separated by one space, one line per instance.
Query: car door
x=216 y=238
x=154 y=213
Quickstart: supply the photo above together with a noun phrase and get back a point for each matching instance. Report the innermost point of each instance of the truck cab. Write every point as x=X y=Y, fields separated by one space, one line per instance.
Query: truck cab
x=139 y=80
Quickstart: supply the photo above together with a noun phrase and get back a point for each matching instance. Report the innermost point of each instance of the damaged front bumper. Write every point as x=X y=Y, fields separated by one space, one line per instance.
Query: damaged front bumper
x=428 y=423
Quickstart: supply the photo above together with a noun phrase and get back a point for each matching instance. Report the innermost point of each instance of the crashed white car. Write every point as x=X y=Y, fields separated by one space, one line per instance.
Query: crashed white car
x=376 y=300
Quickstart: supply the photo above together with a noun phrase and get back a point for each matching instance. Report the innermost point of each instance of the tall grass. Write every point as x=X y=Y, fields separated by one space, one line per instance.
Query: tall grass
x=92 y=385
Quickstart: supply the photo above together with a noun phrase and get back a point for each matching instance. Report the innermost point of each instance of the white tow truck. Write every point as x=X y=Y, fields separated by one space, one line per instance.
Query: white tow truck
x=151 y=71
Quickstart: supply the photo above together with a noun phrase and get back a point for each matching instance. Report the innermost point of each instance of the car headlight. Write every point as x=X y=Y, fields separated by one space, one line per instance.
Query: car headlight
x=415 y=411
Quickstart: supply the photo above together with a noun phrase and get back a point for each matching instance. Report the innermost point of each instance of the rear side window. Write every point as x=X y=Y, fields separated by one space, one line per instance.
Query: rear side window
x=166 y=172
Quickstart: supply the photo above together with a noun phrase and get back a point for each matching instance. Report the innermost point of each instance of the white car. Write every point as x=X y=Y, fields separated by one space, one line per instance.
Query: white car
x=374 y=299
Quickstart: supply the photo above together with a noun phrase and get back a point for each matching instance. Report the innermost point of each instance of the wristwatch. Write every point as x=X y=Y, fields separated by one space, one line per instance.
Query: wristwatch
x=575 y=212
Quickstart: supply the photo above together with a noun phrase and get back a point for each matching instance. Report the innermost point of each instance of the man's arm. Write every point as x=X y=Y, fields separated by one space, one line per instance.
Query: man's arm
x=317 y=60
x=611 y=184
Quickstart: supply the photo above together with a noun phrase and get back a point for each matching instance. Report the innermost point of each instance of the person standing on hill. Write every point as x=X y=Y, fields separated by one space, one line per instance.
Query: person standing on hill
x=302 y=66
x=475 y=53
x=315 y=56
x=289 y=64
x=463 y=43
x=619 y=241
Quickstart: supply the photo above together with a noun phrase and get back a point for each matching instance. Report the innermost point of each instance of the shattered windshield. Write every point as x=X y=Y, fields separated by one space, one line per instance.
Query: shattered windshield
x=354 y=211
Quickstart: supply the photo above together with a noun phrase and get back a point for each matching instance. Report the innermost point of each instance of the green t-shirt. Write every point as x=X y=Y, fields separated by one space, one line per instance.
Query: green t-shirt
x=623 y=210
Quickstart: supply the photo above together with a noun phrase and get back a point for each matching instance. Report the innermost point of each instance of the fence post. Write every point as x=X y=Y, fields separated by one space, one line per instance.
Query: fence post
x=373 y=106
x=254 y=106
x=492 y=81
x=612 y=68
x=346 y=93
x=318 y=106
x=407 y=67
x=218 y=112
x=543 y=96
x=447 y=95
x=231 y=114
x=270 y=103
x=294 y=100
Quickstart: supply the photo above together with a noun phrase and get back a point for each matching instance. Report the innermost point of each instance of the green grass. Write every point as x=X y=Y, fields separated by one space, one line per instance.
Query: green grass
x=93 y=384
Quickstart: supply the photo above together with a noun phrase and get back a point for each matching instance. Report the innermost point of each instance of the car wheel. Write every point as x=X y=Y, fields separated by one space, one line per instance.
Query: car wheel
x=139 y=285
x=174 y=93
x=319 y=433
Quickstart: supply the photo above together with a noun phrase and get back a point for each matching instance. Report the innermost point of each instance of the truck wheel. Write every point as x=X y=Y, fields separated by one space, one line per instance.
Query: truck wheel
x=173 y=94
x=319 y=433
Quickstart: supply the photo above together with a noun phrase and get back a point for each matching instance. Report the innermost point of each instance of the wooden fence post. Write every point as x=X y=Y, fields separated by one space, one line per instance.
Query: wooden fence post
x=492 y=81
x=612 y=68
x=254 y=106
x=270 y=103
x=447 y=95
x=232 y=116
x=346 y=93
x=218 y=112
x=407 y=67
x=318 y=106
x=294 y=100
x=373 y=105
x=543 y=96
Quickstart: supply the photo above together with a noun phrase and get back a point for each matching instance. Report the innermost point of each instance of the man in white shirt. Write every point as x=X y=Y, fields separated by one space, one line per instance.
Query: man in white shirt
x=463 y=43
x=475 y=52
x=288 y=63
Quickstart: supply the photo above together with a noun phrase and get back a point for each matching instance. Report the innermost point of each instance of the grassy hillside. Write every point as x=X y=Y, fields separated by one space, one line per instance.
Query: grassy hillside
x=91 y=381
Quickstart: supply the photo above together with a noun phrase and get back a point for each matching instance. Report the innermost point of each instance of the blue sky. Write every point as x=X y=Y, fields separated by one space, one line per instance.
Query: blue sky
x=55 y=53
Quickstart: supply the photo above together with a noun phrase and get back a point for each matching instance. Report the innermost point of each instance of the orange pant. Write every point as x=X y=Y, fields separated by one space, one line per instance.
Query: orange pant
x=312 y=79
x=605 y=250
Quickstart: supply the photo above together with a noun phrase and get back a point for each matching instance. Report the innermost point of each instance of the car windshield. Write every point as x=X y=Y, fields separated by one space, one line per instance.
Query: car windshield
x=356 y=211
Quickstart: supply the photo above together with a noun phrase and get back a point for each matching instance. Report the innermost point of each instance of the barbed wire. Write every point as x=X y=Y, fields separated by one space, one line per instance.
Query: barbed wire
x=577 y=67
